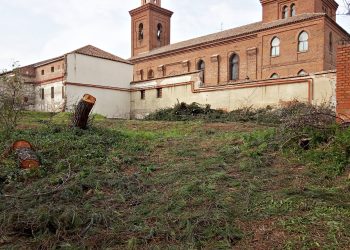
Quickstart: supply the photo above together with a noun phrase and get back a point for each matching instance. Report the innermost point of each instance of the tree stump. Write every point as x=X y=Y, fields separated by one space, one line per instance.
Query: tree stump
x=82 y=111
x=26 y=156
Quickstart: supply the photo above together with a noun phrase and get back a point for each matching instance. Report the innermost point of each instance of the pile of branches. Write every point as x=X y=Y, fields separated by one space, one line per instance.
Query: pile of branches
x=195 y=111
x=305 y=123
x=297 y=115
x=185 y=112
x=291 y=114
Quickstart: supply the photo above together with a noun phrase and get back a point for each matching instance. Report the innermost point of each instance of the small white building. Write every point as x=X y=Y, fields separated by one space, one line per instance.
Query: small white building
x=62 y=81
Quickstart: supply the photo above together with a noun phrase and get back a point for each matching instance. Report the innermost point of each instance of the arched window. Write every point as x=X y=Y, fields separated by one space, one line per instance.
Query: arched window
x=201 y=67
x=274 y=76
x=330 y=42
x=302 y=73
x=303 y=42
x=150 y=74
x=159 y=31
x=141 y=74
x=234 y=67
x=141 y=31
x=275 y=47
x=285 y=12
x=293 y=10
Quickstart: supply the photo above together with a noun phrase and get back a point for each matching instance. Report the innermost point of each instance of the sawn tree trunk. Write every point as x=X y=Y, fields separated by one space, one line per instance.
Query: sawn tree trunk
x=26 y=156
x=82 y=111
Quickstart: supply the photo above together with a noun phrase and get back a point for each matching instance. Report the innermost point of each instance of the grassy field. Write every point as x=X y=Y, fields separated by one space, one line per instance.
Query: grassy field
x=169 y=185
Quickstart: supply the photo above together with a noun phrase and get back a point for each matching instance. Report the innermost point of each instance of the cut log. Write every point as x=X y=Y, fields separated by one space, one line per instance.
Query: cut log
x=82 y=111
x=26 y=156
x=21 y=144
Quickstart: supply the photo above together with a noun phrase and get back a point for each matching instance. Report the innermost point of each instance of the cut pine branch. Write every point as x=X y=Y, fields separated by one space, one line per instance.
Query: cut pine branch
x=82 y=111
x=27 y=158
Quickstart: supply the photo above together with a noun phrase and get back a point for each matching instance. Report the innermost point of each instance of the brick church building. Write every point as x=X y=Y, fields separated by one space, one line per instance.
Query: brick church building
x=295 y=37
x=290 y=54
x=293 y=53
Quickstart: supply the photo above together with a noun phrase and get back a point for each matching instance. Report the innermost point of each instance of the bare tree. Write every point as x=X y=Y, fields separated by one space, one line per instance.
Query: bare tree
x=12 y=98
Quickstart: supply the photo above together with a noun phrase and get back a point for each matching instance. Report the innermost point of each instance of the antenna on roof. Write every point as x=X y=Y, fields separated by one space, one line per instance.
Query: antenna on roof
x=222 y=26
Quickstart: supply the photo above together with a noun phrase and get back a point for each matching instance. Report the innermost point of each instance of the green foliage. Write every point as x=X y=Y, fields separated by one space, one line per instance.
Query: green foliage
x=174 y=185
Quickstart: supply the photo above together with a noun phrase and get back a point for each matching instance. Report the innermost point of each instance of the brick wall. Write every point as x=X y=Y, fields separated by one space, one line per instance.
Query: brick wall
x=50 y=71
x=272 y=10
x=253 y=50
x=149 y=15
x=255 y=61
x=343 y=81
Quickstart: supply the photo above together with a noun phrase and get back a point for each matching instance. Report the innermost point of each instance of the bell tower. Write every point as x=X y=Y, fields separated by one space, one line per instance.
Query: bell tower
x=150 y=27
x=280 y=9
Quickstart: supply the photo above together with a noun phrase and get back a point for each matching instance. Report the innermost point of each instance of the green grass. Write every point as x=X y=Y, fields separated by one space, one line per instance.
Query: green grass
x=169 y=185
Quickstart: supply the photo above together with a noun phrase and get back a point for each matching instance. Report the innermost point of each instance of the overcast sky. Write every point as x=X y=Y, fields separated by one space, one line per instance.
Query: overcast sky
x=34 y=30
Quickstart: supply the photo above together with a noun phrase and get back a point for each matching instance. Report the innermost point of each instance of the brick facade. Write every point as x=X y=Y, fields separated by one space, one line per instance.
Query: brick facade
x=147 y=21
x=252 y=45
x=343 y=81
x=273 y=10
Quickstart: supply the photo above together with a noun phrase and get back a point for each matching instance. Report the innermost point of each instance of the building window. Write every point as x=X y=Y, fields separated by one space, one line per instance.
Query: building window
x=159 y=93
x=293 y=10
x=52 y=69
x=159 y=31
x=140 y=31
x=25 y=99
x=52 y=92
x=42 y=72
x=42 y=93
x=274 y=76
x=201 y=67
x=303 y=42
x=143 y=94
x=302 y=73
x=330 y=42
x=234 y=67
x=275 y=47
x=150 y=74
x=285 y=12
x=141 y=74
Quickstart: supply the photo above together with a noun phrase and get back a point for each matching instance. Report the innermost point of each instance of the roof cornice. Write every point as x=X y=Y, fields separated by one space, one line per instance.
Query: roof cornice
x=220 y=40
x=148 y=7
x=330 y=2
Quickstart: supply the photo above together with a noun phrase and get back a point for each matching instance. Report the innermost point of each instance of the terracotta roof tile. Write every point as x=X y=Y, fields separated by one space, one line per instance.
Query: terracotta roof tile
x=231 y=33
x=90 y=50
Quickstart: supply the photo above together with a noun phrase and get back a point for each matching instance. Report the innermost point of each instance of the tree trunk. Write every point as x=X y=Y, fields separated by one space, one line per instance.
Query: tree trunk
x=26 y=156
x=82 y=111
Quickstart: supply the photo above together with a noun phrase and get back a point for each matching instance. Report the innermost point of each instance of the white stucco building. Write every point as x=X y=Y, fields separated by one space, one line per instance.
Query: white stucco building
x=61 y=82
